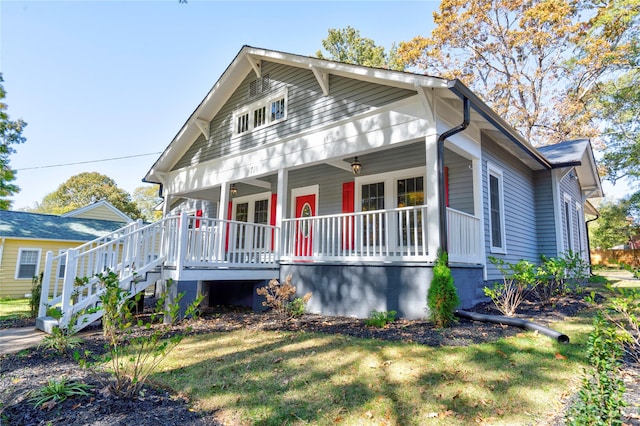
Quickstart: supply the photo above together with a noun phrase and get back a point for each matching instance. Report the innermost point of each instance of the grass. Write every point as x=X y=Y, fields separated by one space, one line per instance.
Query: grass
x=278 y=378
x=11 y=309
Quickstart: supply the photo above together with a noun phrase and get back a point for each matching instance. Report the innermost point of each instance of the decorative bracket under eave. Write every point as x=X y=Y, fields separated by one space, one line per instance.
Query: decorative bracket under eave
x=323 y=79
x=426 y=97
x=203 y=125
x=255 y=64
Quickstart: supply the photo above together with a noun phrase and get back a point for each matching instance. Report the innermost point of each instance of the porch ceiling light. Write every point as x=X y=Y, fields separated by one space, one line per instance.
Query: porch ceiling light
x=356 y=167
x=233 y=190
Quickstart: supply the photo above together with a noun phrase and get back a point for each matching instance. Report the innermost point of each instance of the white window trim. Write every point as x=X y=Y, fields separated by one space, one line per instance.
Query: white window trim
x=568 y=221
x=493 y=170
x=251 y=200
x=18 y=262
x=579 y=227
x=60 y=252
x=390 y=180
x=264 y=102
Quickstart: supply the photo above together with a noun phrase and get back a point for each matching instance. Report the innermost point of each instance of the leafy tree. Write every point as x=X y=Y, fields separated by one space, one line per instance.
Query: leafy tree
x=619 y=106
x=617 y=222
x=346 y=45
x=537 y=62
x=84 y=189
x=146 y=198
x=10 y=134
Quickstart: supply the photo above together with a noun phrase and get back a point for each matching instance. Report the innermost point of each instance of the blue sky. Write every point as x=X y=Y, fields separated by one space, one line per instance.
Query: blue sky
x=100 y=80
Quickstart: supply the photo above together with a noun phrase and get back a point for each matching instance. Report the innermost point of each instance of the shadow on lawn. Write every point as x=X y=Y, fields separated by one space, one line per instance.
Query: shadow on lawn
x=288 y=377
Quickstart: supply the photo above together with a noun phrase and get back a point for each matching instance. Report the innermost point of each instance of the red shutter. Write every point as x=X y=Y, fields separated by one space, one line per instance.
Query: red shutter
x=229 y=216
x=272 y=218
x=198 y=214
x=348 y=206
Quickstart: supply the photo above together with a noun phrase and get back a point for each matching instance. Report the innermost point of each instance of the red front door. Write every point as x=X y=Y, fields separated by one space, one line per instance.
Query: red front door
x=305 y=208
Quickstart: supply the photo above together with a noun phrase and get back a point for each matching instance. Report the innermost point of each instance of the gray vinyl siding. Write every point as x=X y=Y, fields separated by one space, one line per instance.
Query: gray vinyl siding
x=519 y=207
x=460 y=182
x=306 y=108
x=545 y=214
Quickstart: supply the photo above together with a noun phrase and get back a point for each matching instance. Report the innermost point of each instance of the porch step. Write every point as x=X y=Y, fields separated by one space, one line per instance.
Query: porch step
x=46 y=324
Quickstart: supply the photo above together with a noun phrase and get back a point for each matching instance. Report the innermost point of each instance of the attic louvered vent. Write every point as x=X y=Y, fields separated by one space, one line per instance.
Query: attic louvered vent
x=259 y=85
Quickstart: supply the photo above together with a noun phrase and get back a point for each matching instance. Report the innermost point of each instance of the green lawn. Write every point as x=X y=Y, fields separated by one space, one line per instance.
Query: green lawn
x=14 y=309
x=296 y=378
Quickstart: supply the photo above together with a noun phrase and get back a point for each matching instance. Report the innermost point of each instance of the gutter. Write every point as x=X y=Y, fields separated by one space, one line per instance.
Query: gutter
x=487 y=113
x=466 y=116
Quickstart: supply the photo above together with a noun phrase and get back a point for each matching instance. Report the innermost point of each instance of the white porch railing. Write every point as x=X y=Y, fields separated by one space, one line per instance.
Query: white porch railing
x=70 y=279
x=380 y=235
x=464 y=239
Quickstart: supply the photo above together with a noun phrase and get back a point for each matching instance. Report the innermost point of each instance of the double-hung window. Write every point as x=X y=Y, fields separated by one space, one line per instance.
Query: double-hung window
x=28 y=263
x=264 y=112
x=496 y=210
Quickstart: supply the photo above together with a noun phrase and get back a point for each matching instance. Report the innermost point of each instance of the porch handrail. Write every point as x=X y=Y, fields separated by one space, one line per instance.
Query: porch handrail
x=131 y=251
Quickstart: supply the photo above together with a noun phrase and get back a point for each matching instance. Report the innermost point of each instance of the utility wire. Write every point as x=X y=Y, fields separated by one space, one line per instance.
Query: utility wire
x=88 y=162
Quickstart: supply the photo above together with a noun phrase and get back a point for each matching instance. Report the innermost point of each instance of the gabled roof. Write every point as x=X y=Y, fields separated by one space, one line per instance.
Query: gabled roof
x=96 y=205
x=38 y=226
x=249 y=59
x=579 y=154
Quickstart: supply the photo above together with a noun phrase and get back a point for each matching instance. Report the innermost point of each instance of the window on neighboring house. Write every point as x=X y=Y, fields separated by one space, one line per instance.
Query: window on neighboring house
x=28 y=262
x=62 y=264
x=496 y=206
x=264 y=112
x=579 y=222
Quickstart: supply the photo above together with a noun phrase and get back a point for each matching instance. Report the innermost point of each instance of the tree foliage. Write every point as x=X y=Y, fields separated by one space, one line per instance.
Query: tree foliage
x=616 y=223
x=535 y=62
x=348 y=46
x=10 y=135
x=146 y=199
x=84 y=189
x=618 y=106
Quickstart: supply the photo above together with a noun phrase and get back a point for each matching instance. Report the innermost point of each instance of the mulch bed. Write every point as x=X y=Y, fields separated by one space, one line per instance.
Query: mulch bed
x=30 y=369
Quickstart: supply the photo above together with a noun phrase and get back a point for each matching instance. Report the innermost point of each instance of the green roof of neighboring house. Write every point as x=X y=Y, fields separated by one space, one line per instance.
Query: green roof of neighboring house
x=16 y=224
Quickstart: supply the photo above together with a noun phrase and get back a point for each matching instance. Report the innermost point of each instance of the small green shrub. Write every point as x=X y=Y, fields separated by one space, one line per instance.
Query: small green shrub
x=380 y=319
x=56 y=391
x=517 y=282
x=624 y=313
x=600 y=398
x=132 y=355
x=36 y=292
x=61 y=340
x=298 y=306
x=442 y=297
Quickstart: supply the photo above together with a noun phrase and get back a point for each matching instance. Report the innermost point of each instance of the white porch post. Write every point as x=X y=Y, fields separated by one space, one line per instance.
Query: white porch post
x=283 y=183
x=166 y=207
x=432 y=195
x=223 y=208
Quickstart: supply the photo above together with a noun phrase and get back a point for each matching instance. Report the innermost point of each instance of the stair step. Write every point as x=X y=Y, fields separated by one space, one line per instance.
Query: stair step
x=46 y=324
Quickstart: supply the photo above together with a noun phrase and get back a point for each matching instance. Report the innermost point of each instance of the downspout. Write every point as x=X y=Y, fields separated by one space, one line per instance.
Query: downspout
x=441 y=184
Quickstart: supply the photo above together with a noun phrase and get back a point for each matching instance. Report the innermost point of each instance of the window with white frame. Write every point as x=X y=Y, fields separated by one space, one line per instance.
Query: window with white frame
x=399 y=189
x=568 y=222
x=62 y=264
x=579 y=223
x=496 y=209
x=264 y=112
x=28 y=263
